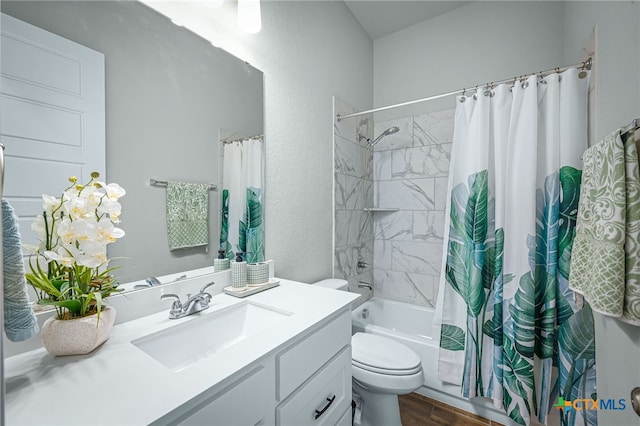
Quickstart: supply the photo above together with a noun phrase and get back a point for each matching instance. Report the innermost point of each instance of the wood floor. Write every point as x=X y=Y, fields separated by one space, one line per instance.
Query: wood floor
x=418 y=410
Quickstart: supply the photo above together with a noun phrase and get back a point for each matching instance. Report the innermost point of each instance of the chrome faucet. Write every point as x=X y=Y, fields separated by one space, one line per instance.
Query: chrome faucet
x=363 y=284
x=196 y=303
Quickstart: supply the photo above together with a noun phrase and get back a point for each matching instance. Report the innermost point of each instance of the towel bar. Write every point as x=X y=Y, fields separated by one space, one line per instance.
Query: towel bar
x=163 y=183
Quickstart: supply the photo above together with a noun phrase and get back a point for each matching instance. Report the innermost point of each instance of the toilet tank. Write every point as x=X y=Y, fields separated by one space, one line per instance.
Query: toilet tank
x=334 y=283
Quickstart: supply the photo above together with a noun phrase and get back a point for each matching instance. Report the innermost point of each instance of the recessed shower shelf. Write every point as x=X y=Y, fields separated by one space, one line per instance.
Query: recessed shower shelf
x=379 y=209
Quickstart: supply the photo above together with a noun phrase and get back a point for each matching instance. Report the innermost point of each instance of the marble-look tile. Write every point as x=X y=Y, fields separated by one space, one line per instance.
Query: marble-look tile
x=345 y=128
x=365 y=128
x=382 y=254
x=339 y=189
x=402 y=139
x=428 y=226
x=352 y=227
x=352 y=193
x=346 y=259
x=423 y=161
x=342 y=221
x=342 y=267
x=393 y=225
x=349 y=157
x=433 y=128
x=419 y=258
x=441 y=193
x=414 y=194
x=404 y=287
x=382 y=165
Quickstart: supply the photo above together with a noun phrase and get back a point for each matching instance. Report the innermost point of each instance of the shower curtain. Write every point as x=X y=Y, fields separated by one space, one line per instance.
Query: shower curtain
x=511 y=330
x=242 y=228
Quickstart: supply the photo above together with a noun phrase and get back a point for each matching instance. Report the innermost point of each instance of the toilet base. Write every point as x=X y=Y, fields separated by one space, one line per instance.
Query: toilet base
x=378 y=409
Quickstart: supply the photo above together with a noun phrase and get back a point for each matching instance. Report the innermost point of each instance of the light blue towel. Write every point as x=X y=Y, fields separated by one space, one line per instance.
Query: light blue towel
x=19 y=320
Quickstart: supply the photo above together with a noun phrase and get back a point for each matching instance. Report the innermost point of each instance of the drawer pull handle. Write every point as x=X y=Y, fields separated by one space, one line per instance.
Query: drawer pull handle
x=326 y=407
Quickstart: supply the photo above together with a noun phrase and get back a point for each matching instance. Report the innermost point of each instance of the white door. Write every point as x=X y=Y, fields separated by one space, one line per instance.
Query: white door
x=52 y=115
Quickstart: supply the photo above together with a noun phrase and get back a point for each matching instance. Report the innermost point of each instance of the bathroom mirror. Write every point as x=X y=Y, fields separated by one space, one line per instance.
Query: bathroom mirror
x=169 y=93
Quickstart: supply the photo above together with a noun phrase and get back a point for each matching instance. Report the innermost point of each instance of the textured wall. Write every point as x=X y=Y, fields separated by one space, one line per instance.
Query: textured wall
x=482 y=42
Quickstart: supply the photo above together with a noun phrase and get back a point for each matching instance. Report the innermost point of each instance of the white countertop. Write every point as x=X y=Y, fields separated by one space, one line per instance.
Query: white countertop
x=119 y=384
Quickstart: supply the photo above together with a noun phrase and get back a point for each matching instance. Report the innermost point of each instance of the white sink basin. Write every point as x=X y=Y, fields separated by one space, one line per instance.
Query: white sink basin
x=180 y=346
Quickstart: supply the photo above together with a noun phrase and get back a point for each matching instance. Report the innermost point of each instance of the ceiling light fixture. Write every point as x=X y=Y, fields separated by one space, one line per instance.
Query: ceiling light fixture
x=249 y=19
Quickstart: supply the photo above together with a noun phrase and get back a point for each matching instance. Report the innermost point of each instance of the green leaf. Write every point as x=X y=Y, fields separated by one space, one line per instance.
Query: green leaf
x=534 y=315
x=475 y=215
x=523 y=313
x=255 y=244
x=457 y=267
x=494 y=327
x=498 y=252
x=518 y=376
x=459 y=197
x=253 y=212
x=570 y=184
x=242 y=237
x=516 y=416
x=224 y=224
x=452 y=338
x=469 y=268
x=488 y=268
x=73 y=306
x=577 y=337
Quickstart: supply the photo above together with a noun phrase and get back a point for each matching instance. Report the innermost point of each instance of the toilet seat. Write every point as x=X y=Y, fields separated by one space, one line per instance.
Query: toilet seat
x=395 y=372
x=381 y=355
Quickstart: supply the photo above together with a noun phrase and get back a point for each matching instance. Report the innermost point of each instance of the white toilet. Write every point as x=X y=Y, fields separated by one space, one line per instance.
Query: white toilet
x=382 y=369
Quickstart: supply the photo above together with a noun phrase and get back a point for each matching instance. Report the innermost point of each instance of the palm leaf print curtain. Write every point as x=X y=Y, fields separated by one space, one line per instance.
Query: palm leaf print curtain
x=511 y=330
x=242 y=226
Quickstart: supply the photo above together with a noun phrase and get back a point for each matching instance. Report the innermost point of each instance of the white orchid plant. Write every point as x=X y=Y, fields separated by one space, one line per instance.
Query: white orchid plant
x=74 y=231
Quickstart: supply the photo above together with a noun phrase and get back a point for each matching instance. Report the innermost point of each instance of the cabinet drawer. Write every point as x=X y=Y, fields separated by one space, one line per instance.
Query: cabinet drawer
x=323 y=399
x=297 y=364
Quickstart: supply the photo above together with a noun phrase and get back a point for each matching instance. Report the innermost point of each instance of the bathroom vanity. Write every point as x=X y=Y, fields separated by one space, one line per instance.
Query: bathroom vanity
x=280 y=357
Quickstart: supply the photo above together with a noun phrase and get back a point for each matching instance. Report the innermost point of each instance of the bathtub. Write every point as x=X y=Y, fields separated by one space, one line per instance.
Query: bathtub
x=412 y=325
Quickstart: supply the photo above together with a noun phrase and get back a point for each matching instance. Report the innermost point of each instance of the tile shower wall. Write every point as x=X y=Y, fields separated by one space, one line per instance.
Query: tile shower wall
x=410 y=173
x=353 y=189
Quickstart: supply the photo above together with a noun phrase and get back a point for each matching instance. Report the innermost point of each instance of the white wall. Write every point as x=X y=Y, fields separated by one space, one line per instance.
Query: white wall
x=617 y=101
x=482 y=42
x=309 y=51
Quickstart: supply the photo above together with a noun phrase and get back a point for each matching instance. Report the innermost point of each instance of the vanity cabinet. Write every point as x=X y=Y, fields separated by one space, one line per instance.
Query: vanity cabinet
x=245 y=401
x=305 y=382
x=314 y=376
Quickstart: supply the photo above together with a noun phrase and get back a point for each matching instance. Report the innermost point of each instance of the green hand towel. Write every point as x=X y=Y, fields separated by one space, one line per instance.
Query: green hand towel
x=187 y=214
x=605 y=260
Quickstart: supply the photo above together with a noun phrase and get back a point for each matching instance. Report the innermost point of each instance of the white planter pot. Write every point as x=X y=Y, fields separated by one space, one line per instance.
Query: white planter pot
x=77 y=336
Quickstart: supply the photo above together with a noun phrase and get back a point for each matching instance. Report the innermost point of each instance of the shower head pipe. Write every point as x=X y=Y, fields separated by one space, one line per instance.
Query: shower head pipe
x=387 y=132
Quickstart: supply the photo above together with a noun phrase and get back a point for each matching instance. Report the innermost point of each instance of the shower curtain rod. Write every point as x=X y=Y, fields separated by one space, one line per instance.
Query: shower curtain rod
x=584 y=65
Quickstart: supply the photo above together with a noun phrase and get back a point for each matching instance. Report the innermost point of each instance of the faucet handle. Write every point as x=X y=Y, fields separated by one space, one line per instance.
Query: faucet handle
x=206 y=286
x=176 y=304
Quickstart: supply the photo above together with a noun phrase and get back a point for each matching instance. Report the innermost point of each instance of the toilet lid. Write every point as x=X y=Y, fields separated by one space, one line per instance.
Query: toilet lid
x=383 y=355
